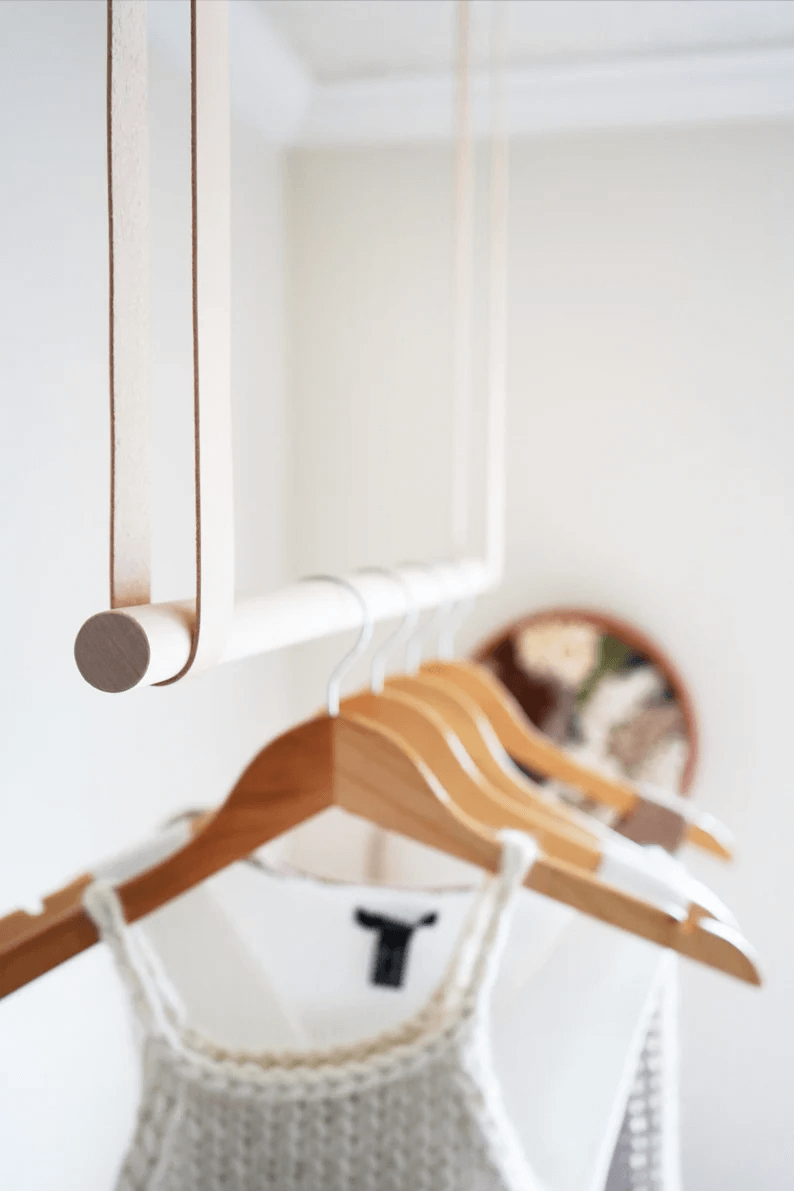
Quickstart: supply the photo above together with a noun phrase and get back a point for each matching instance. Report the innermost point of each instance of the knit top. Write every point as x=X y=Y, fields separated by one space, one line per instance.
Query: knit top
x=416 y=1106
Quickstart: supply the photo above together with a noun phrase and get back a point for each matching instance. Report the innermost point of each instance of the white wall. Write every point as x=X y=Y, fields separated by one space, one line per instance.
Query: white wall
x=651 y=356
x=85 y=774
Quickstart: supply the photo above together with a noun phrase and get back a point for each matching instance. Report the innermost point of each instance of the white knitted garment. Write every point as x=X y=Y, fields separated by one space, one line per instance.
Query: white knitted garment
x=416 y=1108
x=646 y=1154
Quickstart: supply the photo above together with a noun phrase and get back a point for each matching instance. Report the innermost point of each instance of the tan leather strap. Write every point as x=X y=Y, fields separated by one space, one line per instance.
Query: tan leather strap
x=210 y=172
x=128 y=225
x=129 y=240
x=462 y=287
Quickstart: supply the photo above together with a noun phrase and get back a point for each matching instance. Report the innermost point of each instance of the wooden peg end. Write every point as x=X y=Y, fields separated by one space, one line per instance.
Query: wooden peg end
x=112 y=652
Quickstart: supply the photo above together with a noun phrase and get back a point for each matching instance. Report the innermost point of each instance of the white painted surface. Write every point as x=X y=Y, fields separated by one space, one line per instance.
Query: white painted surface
x=650 y=428
x=382 y=71
x=84 y=774
x=634 y=92
x=270 y=87
x=354 y=39
x=650 y=363
x=336 y=72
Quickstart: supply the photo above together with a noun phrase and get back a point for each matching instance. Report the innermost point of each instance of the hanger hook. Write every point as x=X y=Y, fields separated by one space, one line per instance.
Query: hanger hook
x=402 y=633
x=413 y=649
x=364 y=638
x=461 y=608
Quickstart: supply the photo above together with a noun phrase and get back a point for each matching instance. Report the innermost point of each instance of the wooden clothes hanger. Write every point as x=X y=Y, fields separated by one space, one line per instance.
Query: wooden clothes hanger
x=354 y=763
x=553 y=824
x=528 y=746
x=427 y=733
x=492 y=788
x=453 y=690
x=370 y=770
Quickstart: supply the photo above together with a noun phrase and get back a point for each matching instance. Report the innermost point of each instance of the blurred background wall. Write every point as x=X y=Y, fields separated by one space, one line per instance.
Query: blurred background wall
x=650 y=428
x=82 y=776
x=651 y=348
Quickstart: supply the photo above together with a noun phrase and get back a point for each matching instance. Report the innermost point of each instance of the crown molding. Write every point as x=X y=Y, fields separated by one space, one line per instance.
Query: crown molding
x=274 y=92
x=270 y=88
x=685 y=89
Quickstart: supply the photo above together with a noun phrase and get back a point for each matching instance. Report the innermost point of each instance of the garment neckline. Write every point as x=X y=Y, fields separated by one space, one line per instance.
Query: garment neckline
x=460 y=988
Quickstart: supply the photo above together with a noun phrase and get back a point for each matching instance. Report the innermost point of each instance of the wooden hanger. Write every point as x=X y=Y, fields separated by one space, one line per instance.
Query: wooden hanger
x=367 y=769
x=427 y=732
x=470 y=725
x=529 y=747
x=432 y=735
x=549 y=820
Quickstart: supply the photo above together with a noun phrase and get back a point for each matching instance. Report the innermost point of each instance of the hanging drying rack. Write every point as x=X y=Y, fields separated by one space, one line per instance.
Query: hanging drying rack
x=138 y=643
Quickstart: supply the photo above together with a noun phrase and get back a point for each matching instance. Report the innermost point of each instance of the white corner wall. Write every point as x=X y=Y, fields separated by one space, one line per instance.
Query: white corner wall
x=82 y=774
x=650 y=429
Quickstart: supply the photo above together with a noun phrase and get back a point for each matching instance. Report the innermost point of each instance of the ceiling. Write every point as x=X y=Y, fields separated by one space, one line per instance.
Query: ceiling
x=335 y=72
x=350 y=40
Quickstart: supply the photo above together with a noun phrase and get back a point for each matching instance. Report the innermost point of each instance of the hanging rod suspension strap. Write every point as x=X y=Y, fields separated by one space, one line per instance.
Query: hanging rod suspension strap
x=462 y=285
x=129 y=304
x=210 y=135
x=495 y=429
x=109 y=653
x=138 y=643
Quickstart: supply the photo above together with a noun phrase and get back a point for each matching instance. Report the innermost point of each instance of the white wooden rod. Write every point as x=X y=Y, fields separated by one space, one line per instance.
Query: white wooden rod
x=141 y=646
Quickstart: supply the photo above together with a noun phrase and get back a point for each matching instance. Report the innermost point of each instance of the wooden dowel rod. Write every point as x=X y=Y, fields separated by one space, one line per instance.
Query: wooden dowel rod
x=140 y=646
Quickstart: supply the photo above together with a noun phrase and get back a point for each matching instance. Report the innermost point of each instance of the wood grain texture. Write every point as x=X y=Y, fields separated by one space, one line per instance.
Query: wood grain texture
x=373 y=770
x=288 y=782
x=112 y=652
x=529 y=747
x=386 y=780
x=479 y=740
x=428 y=734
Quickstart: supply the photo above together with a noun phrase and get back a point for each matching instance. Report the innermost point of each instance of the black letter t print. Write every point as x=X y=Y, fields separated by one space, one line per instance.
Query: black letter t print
x=391 y=952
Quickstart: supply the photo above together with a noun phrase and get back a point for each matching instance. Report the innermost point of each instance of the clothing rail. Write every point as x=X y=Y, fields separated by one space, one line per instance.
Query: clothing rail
x=137 y=643
x=145 y=645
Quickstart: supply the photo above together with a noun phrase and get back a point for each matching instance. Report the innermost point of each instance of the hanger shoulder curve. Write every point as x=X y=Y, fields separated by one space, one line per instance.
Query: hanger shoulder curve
x=370 y=770
x=529 y=747
x=441 y=750
x=423 y=810
x=283 y=785
x=469 y=723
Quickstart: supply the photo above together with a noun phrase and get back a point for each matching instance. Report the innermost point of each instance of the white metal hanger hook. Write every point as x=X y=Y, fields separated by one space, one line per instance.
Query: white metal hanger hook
x=402 y=633
x=364 y=638
x=456 y=613
x=413 y=650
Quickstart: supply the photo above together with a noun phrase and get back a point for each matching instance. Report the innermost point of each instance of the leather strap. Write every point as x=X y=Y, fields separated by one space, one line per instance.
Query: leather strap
x=129 y=320
x=211 y=205
x=129 y=283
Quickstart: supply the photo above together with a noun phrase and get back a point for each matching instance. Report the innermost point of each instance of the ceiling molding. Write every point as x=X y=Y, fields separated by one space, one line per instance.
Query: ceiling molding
x=270 y=88
x=273 y=92
x=681 y=89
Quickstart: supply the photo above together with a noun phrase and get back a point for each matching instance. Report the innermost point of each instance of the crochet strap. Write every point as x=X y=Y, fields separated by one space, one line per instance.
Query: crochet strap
x=152 y=1001
x=476 y=960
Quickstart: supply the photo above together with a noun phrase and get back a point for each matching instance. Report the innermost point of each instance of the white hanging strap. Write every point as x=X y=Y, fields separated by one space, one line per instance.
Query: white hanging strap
x=211 y=300
x=210 y=170
x=463 y=295
x=519 y=853
x=475 y=961
x=129 y=286
x=152 y=1002
x=495 y=430
x=463 y=287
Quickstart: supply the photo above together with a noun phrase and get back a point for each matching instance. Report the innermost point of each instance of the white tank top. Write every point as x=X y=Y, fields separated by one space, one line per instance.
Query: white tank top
x=443 y=1091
